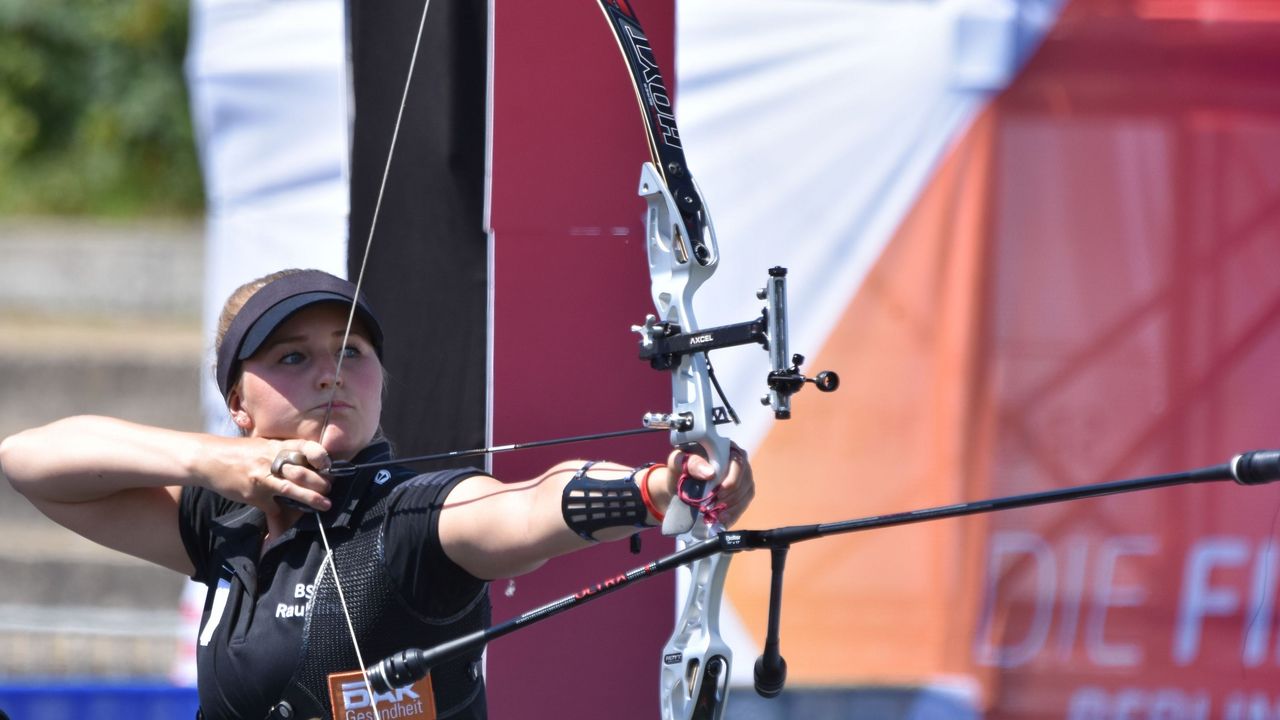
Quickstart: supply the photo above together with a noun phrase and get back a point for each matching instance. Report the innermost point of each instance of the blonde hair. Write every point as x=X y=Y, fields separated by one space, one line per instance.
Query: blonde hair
x=235 y=303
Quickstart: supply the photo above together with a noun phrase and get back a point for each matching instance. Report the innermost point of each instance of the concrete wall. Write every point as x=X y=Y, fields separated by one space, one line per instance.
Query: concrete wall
x=94 y=318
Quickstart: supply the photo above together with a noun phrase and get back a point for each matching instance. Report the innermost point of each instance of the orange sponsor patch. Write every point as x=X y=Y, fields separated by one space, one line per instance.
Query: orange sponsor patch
x=350 y=699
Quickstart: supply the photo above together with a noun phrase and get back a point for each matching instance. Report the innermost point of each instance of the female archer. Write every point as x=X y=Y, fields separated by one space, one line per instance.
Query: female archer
x=253 y=517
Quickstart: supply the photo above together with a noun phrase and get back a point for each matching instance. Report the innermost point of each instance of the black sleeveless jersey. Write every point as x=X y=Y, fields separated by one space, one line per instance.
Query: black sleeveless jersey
x=273 y=629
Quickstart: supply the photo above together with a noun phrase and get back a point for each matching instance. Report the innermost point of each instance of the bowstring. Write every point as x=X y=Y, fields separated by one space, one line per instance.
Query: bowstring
x=346 y=335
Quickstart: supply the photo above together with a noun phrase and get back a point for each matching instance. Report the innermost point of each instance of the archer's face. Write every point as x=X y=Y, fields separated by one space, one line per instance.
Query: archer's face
x=286 y=387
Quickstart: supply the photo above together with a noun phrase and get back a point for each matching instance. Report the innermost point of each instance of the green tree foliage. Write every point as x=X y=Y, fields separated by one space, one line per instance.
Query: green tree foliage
x=93 y=109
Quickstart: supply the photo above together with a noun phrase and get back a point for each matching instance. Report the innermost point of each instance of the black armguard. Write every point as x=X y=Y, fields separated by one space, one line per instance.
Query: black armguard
x=590 y=504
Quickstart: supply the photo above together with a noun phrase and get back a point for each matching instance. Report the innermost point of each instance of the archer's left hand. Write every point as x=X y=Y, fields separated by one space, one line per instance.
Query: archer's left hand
x=732 y=495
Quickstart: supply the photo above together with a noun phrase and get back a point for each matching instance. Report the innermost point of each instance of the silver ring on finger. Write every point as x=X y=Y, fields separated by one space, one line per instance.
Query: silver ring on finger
x=287 y=457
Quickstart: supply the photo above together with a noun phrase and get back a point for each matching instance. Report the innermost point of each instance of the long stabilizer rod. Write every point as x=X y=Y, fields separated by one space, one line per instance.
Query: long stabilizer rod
x=407 y=666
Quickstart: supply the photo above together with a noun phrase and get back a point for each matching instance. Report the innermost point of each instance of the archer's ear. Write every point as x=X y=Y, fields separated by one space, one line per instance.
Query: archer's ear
x=240 y=416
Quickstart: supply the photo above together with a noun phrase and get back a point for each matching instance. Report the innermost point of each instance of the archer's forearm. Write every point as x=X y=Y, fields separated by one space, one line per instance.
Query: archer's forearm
x=554 y=529
x=86 y=458
x=533 y=527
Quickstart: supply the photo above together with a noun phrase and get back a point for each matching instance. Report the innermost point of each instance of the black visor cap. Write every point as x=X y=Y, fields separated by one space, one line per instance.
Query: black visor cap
x=274 y=303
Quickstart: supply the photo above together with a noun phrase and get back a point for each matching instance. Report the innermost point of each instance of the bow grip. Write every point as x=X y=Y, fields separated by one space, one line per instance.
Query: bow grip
x=680 y=517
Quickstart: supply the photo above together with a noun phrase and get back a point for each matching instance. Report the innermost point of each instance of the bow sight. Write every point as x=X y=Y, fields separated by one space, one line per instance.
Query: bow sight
x=663 y=344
